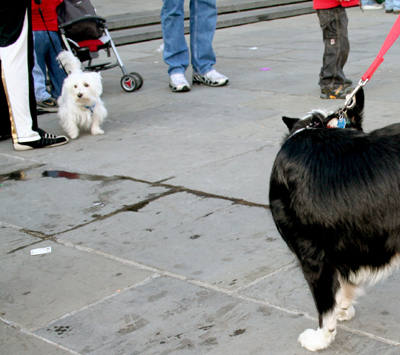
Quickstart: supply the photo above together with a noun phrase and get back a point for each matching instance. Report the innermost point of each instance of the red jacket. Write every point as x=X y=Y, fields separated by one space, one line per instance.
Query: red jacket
x=329 y=4
x=49 y=13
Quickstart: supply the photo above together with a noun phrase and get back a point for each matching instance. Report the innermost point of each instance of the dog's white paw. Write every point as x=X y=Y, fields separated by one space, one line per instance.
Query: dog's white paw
x=72 y=132
x=345 y=314
x=97 y=131
x=315 y=340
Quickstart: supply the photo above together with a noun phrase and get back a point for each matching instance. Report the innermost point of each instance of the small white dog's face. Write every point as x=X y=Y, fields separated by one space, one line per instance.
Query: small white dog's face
x=84 y=87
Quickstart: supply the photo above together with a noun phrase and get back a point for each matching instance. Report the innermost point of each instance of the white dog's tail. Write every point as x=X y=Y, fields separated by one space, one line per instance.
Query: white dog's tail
x=69 y=61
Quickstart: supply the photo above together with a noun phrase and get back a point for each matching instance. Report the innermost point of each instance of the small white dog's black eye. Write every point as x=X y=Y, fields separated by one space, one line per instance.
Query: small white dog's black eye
x=75 y=86
x=86 y=85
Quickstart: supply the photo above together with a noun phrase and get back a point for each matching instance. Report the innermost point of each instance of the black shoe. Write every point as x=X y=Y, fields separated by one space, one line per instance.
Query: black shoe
x=348 y=83
x=40 y=111
x=4 y=137
x=338 y=93
x=46 y=140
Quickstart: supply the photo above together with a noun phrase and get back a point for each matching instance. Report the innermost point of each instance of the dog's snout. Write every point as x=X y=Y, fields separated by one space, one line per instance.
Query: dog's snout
x=79 y=95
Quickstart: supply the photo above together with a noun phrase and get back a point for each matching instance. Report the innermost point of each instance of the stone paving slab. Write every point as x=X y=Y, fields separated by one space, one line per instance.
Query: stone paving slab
x=13 y=341
x=174 y=233
x=168 y=316
x=67 y=199
x=377 y=311
x=153 y=156
x=244 y=184
x=10 y=164
x=37 y=289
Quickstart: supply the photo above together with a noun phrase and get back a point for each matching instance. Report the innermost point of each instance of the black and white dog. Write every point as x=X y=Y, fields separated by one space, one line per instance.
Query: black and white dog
x=335 y=199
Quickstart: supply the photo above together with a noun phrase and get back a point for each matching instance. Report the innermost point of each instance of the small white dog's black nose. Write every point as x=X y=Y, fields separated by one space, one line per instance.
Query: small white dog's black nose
x=79 y=95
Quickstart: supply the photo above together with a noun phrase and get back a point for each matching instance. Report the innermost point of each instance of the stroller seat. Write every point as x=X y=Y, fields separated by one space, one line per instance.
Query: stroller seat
x=86 y=34
x=89 y=48
x=94 y=45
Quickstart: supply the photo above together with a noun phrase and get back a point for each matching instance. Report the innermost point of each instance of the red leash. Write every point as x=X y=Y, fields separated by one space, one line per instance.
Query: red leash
x=390 y=39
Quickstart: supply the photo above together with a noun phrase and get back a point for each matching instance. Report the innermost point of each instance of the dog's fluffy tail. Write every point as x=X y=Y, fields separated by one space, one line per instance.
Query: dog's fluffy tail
x=69 y=61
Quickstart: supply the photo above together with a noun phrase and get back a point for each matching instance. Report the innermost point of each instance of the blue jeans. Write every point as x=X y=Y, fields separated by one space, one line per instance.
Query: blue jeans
x=39 y=80
x=392 y=5
x=47 y=57
x=203 y=21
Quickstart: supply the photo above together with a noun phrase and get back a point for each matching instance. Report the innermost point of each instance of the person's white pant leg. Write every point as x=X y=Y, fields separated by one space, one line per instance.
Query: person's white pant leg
x=15 y=77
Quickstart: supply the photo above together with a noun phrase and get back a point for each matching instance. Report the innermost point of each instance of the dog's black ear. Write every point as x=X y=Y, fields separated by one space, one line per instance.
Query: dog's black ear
x=290 y=122
x=356 y=114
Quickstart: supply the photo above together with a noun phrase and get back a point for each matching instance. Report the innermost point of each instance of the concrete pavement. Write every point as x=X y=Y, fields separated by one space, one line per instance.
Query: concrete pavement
x=160 y=233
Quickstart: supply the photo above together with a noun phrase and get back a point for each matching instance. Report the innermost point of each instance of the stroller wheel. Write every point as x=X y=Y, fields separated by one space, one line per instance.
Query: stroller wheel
x=129 y=83
x=139 y=79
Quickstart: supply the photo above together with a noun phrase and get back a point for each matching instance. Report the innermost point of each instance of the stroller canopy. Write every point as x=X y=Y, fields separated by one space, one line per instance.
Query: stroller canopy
x=79 y=20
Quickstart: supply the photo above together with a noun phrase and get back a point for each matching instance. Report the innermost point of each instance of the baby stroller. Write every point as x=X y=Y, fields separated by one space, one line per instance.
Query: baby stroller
x=84 y=34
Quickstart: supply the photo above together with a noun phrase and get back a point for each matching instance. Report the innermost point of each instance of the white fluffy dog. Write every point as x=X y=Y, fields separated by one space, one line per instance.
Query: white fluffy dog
x=80 y=106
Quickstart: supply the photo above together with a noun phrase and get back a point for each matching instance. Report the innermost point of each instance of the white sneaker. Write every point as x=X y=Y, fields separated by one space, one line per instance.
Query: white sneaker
x=372 y=7
x=178 y=83
x=212 y=78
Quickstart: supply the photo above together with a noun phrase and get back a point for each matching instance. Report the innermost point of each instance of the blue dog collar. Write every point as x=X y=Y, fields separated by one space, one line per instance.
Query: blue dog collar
x=91 y=108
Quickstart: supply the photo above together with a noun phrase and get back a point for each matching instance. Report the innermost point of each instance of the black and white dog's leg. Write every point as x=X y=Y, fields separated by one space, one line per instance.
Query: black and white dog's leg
x=324 y=285
x=345 y=299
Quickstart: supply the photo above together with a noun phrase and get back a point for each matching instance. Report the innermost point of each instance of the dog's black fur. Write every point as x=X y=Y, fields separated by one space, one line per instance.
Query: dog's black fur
x=335 y=199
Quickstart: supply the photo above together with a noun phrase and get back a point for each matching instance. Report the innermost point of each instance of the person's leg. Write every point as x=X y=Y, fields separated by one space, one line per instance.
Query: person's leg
x=389 y=5
x=18 y=85
x=56 y=73
x=5 y=124
x=344 y=43
x=44 y=101
x=396 y=5
x=17 y=65
x=203 y=22
x=370 y=5
x=39 y=80
x=334 y=23
x=41 y=48
x=176 y=52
